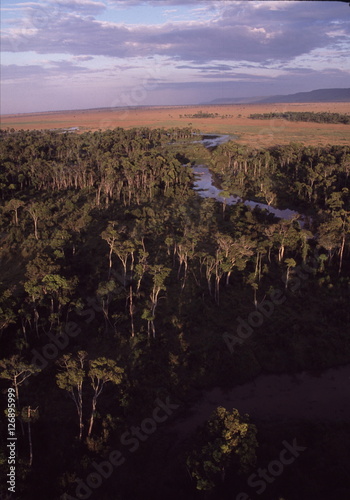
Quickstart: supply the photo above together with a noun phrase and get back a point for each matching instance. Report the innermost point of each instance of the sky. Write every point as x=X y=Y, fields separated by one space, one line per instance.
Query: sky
x=82 y=54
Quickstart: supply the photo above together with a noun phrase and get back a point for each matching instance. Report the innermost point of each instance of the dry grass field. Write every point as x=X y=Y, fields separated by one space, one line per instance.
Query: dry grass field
x=231 y=119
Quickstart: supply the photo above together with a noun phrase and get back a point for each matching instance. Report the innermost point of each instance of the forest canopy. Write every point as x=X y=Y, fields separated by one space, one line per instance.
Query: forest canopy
x=120 y=286
x=304 y=116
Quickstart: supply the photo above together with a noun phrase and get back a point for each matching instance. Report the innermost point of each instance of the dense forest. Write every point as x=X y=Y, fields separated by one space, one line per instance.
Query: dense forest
x=205 y=114
x=121 y=289
x=304 y=116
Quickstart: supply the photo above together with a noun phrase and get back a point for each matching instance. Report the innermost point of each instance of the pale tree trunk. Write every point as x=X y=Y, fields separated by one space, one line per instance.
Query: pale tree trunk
x=19 y=406
x=110 y=262
x=287 y=278
x=98 y=195
x=36 y=228
x=30 y=438
x=217 y=288
x=280 y=253
x=81 y=425
x=79 y=405
x=154 y=299
x=341 y=252
x=131 y=309
x=92 y=417
x=185 y=275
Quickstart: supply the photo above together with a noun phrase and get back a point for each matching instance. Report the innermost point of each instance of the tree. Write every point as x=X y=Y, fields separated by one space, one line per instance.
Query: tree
x=227 y=438
x=105 y=291
x=30 y=415
x=13 y=206
x=110 y=235
x=71 y=380
x=185 y=250
x=37 y=211
x=141 y=268
x=225 y=193
x=124 y=250
x=334 y=233
x=58 y=288
x=17 y=370
x=37 y=269
x=337 y=226
x=7 y=311
x=102 y=371
x=290 y=264
x=159 y=274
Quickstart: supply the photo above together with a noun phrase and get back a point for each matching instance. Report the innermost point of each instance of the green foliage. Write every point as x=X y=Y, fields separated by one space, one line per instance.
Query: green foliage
x=304 y=116
x=104 y=370
x=226 y=438
x=17 y=370
x=73 y=373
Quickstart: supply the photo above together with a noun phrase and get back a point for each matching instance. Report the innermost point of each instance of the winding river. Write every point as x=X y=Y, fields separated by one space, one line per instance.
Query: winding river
x=205 y=186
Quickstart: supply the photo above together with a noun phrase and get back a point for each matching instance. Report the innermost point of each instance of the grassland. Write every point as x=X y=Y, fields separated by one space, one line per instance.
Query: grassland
x=257 y=132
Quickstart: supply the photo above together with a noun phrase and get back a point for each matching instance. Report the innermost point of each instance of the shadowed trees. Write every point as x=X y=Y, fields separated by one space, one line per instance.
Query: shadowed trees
x=147 y=276
x=226 y=439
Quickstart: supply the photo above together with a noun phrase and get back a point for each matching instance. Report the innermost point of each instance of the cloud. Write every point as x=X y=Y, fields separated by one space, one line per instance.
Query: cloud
x=65 y=67
x=83 y=58
x=133 y=3
x=204 y=69
x=258 y=32
x=15 y=72
x=204 y=43
x=124 y=67
x=70 y=34
x=84 y=6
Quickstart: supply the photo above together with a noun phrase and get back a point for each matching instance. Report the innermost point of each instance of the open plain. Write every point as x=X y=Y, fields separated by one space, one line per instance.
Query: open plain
x=230 y=119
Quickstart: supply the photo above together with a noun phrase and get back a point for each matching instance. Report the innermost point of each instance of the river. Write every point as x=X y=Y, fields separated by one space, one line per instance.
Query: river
x=205 y=187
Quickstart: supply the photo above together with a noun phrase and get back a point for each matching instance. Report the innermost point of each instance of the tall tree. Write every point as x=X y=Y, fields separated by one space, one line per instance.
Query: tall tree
x=71 y=380
x=101 y=372
x=159 y=273
x=13 y=206
x=30 y=415
x=110 y=235
x=38 y=211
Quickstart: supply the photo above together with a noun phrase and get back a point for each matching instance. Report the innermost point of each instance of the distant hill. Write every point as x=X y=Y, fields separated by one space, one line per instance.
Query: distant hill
x=320 y=95
x=235 y=100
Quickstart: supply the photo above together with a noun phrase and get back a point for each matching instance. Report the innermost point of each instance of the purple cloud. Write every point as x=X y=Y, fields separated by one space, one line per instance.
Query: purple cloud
x=248 y=33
